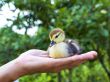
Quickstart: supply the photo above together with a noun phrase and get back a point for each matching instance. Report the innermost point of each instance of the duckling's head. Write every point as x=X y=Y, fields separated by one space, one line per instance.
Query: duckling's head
x=57 y=35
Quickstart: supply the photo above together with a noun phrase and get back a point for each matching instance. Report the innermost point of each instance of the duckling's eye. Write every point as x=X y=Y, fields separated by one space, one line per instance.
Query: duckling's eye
x=56 y=36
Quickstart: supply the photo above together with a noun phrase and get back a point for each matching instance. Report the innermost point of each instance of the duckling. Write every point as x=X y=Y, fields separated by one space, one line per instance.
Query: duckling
x=61 y=47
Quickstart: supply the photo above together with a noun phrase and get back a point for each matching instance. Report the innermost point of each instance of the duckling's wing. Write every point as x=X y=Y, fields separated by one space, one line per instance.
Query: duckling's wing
x=73 y=47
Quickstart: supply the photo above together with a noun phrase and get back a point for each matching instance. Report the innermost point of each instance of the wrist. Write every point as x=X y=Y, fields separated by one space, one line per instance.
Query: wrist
x=10 y=71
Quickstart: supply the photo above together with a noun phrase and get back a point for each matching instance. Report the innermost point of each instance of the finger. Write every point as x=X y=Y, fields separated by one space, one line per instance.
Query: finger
x=79 y=59
x=76 y=64
x=74 y=60
x=67 y=65
x=86 y=56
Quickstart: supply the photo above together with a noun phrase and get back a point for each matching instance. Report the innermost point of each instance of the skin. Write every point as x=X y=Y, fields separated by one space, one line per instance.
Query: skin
x=38 y=61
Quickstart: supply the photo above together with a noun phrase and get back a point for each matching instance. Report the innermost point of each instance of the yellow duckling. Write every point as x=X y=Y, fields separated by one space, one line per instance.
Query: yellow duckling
x=60 y=47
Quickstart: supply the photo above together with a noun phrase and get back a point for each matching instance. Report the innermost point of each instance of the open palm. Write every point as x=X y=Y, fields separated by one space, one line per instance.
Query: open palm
x=34 y=61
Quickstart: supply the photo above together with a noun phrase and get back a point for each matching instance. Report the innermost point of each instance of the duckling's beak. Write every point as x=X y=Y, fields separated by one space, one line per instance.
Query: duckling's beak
x=52 y=43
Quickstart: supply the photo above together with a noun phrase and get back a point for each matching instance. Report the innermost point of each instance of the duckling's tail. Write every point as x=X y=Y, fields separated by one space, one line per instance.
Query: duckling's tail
x=73 y=47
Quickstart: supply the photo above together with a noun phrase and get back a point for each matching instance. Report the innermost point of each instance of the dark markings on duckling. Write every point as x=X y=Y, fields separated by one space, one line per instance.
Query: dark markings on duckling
x=55 y=31
x=73 y=47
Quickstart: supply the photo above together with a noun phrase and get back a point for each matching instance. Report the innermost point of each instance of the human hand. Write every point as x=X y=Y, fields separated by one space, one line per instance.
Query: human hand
x=35 y=61
x=38 y=61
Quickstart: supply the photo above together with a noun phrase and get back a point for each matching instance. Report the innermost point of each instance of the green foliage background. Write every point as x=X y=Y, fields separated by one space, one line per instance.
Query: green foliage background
x=88 y=21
